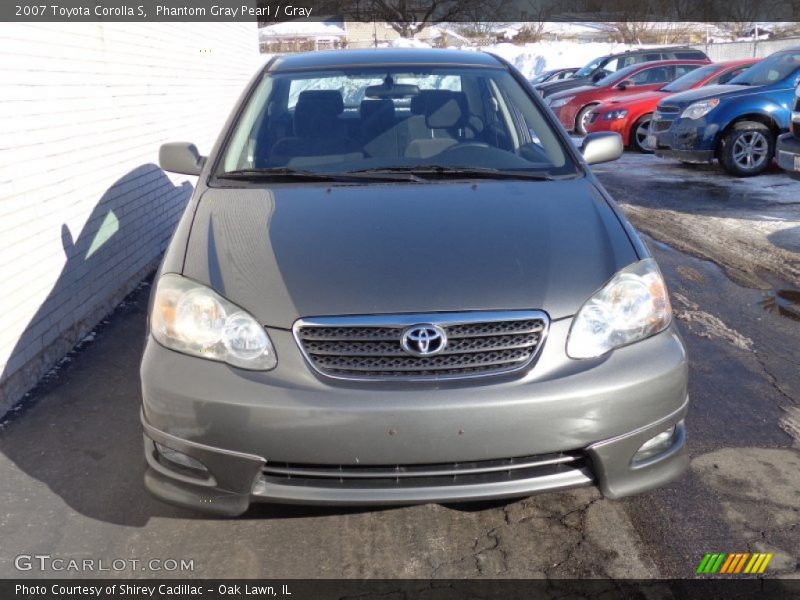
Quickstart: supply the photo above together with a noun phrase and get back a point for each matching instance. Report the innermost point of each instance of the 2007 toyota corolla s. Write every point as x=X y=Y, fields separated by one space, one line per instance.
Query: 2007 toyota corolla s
x=397 y=281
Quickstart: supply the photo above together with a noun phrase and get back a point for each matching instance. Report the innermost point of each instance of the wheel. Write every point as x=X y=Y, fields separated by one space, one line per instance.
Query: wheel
x=582 y=120
x=747 y=149
x=639 y=133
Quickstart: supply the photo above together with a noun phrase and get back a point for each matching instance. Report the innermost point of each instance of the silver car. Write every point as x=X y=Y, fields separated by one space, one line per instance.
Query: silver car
x=397 y=281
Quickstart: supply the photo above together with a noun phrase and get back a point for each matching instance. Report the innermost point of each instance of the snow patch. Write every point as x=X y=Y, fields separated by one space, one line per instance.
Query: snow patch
x=790 y=423
x=532 y=59
x=707 y=325
x=408 y=43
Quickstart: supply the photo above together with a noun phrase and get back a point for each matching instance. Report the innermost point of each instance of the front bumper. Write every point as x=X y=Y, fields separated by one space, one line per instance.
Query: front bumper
x=788 y=153
x=689 y=140
x=239 y=423
x=566 y=115
x=620 y=126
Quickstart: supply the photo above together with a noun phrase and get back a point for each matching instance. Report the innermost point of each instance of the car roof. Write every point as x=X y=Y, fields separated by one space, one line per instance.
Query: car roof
x=327 y=59
x=651 y=50
x=635 y=68
x=724 y=64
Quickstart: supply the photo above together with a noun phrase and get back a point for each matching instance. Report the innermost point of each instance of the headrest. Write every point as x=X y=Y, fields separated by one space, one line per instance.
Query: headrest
x=371 y=108
x=317 y=110
x=443 y=109
x=328 y=101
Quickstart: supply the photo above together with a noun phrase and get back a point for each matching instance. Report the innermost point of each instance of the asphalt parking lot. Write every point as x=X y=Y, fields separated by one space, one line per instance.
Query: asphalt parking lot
x=71 y=460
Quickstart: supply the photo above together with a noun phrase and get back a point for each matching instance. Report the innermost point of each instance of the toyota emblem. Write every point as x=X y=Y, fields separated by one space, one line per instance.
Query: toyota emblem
x=424 y=340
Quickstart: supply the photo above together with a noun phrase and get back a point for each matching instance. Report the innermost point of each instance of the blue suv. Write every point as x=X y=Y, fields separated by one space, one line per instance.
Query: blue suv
x=737 y=123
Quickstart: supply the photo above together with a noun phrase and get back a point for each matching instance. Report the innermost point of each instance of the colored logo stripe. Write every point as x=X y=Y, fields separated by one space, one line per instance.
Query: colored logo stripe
x=735 y=563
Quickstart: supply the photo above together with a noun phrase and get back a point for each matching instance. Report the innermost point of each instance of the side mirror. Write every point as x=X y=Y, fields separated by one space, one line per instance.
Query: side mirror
x=601 y=147
x=598 y=76
x=625 y=83
x=181 y=157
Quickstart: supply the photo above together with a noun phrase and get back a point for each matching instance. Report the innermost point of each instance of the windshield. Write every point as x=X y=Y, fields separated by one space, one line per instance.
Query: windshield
x=587 y=70
x=617 y=76
x=360 y=119
x=770 y=70
x=541 y=77
x=692 y=78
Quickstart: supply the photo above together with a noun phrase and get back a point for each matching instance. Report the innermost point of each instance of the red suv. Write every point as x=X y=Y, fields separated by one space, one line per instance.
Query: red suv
x=572 y=107
x=630 y=115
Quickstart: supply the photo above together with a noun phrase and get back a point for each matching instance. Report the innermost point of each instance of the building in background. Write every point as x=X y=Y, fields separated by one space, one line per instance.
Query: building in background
x=301 y=36
x=85 y=211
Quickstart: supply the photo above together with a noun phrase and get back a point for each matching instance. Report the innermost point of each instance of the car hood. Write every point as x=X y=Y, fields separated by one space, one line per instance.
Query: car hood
x=551 y=87
x=636 y=98
x=289 y=251
x=684 y=99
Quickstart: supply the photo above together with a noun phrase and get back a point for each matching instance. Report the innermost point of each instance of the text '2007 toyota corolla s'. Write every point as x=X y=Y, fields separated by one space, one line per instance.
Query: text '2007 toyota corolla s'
x=397 y=281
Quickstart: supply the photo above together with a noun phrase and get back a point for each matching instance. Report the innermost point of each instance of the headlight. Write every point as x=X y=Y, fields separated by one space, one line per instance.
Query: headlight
x=700 y=109
x=559 y=102
x=632 y=306
x=194 y=319
x=615 y=114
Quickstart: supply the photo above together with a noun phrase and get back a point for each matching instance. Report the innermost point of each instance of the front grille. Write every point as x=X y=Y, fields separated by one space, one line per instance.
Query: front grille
x=370 y=348
x=409 y=476
x=663 y=118
x=660 y=126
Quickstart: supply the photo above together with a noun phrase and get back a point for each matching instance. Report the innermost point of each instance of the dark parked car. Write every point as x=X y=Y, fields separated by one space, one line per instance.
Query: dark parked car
x=737 y=123
x=606 y=65
x=574 y=107
x=554 y=75
x=398 y=281
x=789 y=143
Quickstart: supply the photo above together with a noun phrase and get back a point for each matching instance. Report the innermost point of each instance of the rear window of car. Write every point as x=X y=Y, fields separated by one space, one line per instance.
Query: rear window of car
x=689 y=80
x=349 y=119
x=617 y=76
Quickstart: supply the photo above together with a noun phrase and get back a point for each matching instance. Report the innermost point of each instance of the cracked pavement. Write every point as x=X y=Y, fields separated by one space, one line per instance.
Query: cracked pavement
x=72 y=465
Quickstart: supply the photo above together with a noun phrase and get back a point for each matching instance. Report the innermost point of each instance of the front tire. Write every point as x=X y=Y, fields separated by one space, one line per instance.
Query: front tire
x=747 y=149
x=639 y=133
x=582 y=120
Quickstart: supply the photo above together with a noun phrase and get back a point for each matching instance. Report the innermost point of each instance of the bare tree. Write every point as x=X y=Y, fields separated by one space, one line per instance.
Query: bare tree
x=785 y=30
x=674 y=32
x=408 y=17
x=743 y=15
x=478 y=18
x=536 y=14
x=632 y=32
x=479 y=29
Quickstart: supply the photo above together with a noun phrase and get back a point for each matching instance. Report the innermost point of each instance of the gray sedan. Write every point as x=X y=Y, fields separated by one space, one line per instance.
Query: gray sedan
x=397 y=281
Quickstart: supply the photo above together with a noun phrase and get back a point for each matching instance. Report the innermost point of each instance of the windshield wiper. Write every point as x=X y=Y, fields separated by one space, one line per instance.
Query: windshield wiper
x=442 y=171
x=287 y=173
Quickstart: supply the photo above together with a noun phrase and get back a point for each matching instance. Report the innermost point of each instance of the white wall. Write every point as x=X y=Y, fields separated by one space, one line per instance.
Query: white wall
x=84 y=210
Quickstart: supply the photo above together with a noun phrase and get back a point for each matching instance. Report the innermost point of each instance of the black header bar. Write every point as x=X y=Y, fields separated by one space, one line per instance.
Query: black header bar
x=434 y=11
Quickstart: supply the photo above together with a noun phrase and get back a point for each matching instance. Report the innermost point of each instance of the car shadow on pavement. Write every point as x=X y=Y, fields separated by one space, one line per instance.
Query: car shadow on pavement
x=78 y=430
